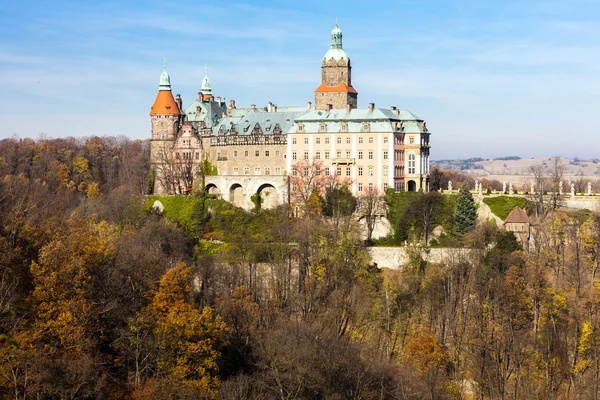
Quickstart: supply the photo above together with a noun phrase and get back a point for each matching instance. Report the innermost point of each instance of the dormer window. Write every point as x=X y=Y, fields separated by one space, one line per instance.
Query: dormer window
x=344 y=127
x=300 y=128
x=323 y=128
x=366 y=127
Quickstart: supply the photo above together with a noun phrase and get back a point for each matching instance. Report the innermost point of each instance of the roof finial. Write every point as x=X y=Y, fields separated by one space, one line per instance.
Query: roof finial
x=336 y=22
x=165 y=62
x=206 y=69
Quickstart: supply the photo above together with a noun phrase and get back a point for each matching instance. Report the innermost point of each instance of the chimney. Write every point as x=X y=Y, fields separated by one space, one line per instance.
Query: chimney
x=397 y=112
x=219 y=100
x=329 y=107
x=198 y=110
x=274 y=108
x=232 y=104
x=348 y=108
x=309 y=106
x=200 y=96
x=212 y=98
x=270 y=107
x=179 y=101
x=393 y=108
x=253 y=106
x=371 y=107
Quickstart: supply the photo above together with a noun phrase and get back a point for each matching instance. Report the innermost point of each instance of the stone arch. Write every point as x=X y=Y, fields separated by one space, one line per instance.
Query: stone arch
x=211 y=188
x=236 y=195
x=412 y=186
x=269 y=197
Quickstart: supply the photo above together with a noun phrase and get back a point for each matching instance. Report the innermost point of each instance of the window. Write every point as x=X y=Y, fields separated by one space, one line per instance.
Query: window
x=360 y=155
x=347 y=171
x=294 y=141
x=411 y=163
x=370 y=155
x=365 y=127
x=234 y=154
x=256 y=170
x=348 y=140
x=306 y=155
x=338 y=171
x=385 y=139
x=257 y=153
x=411 y=140
x=326 y=140
x=236 y=170
x=370 y=187
x=318 y=155
x=323 y=128
x=360 y=171
x=266 y=153
x=318 y=171
x=267 y=171
x=385 y=155
x=246 y=170
x=370 y=139
x=338 y=154
x=360 y=187
x=370 y=171
x=305 y=140
x=293 y=155
x=327 y=155
x=347 y=154
x=360 y=140
x=294 y=171
x=385 y=171
x=326 y=171
x=344 y=127
x=277 y=153
x=198 y=155
x=339 y=140
x=318 y=140
x=277 y=170
x=305 y=171
x=246 y=153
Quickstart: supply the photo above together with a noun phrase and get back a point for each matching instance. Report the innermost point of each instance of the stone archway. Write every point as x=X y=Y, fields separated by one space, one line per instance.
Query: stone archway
x=268 y=196
x=412 y=186
x=236 y=195
x=212 y=189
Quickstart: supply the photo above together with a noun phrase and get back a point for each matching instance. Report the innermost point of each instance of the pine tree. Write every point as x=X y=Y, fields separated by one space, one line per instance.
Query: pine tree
x=465 y=213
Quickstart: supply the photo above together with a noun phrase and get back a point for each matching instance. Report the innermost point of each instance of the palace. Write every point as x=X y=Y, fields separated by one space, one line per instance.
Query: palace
x=255 y=150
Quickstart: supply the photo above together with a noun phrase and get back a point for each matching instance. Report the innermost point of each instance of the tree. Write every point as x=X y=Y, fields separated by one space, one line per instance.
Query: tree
x=339 y=202
x=428 y=208
x=465 y=213
x=310 y=181
x=371 y=206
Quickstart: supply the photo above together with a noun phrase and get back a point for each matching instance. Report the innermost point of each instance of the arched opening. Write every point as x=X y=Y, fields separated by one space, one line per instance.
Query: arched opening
x=412 y=186
x=268 y=196
x=236 y=195
x=212 y=189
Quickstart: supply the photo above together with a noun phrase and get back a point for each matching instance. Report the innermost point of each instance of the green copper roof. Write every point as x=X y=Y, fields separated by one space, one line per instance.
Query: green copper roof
x=336 y=51
x=165 y=80
x=206 y=89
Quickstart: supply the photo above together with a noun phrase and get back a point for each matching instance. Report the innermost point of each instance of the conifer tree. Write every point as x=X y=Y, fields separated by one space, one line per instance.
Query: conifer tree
x=465 y=213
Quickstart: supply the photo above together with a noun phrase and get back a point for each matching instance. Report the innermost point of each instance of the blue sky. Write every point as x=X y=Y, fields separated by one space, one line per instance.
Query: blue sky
x=492 y=78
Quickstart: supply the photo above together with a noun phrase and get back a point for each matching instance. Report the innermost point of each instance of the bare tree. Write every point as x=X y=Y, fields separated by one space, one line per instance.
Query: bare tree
x=371 y=206
x=311 y=179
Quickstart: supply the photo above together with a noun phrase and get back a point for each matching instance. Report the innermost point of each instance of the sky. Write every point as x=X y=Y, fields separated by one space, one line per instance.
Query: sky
x=491 y=78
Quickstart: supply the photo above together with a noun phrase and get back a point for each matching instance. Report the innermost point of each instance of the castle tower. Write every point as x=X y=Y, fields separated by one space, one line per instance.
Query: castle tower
x=206 y=90
x=336 y=77
x=165 y=116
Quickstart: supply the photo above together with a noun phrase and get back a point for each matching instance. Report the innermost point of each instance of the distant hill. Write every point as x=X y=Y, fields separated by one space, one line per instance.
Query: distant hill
x=517 y=166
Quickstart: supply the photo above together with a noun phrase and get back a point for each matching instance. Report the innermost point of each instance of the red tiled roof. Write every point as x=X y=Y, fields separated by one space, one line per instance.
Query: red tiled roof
x=164 y=104
x=342 y=87
x=517 y=215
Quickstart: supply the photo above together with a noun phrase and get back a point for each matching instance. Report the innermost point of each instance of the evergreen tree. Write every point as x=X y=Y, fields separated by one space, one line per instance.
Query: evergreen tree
x=465 y=213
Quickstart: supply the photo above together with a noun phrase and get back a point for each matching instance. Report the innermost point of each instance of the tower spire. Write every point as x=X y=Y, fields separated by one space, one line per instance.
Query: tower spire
x=165 y=80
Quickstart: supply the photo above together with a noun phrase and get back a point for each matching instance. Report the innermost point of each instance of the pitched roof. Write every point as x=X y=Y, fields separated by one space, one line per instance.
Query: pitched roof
x=517 y=215
x=164 y=104
x=342 y=87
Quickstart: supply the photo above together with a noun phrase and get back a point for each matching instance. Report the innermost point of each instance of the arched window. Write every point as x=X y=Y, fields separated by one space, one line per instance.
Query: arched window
x=411 y=163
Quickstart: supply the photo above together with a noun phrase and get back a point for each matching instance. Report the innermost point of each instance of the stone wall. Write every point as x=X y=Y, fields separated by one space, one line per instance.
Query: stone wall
x=397 y=257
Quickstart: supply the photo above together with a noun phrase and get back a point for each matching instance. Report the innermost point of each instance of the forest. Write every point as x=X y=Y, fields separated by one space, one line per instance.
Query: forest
x=102 y=297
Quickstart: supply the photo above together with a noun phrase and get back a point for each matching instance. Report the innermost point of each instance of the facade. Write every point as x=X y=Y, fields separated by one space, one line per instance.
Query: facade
x=370 y=148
